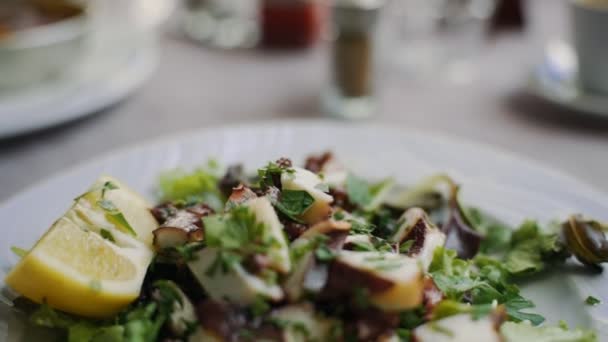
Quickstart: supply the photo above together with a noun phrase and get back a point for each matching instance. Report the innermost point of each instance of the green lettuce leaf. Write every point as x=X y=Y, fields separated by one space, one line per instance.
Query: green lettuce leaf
x=525 y=250
x=480 y=281
x=293 y=203
x=532 y=249
x=200 y=185
x=368 y=196
x=497 y=235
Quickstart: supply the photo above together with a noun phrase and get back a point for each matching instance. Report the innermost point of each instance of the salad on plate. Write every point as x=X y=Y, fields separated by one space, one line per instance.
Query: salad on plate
x=311 y=253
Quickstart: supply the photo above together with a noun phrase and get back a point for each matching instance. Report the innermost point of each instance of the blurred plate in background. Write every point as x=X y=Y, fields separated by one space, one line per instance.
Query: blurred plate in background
x=120 y=54
x=96 y=84
x=555 y=80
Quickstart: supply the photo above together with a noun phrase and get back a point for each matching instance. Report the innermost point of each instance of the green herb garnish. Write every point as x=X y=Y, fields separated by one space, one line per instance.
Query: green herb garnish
x=483 y=280
x=406 y=246
x=267 y=174
x=324 y=253
x=358 y=190
x=293 y=203
x=106 y=234
x=107 y=186
x=198 y=186
x=115 y=215
x=18 y=251
x=259 y=307
x=592 y=301
x=223 y=263
x=359 y=226
x=237 y=230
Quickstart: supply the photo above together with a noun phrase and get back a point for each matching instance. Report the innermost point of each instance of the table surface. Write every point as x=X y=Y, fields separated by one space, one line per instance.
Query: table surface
x=198 y=87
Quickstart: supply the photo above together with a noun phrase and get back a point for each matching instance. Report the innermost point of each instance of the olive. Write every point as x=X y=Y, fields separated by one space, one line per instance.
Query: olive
x=586 y=240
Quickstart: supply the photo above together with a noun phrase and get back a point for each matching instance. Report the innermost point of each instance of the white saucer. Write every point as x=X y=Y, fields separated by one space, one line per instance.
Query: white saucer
x=555 y=79
x=105 y=77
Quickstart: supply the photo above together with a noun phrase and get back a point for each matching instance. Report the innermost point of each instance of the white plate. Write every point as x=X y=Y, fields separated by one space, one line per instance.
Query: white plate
x=108 y=74
x=122 y=53
x=507 y=186
x=555 y=80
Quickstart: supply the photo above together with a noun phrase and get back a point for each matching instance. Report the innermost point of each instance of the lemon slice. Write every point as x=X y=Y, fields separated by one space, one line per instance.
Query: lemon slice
x=88 y=263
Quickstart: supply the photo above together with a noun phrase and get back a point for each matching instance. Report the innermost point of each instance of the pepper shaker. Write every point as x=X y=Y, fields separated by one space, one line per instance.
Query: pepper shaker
x=351 y=93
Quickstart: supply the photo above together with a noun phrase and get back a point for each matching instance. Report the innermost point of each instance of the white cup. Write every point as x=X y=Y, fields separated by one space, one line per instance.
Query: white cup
x=590 y=36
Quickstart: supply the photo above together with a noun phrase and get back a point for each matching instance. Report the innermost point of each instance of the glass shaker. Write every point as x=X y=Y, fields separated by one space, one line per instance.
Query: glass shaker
x=221 y=23
x=352 y=93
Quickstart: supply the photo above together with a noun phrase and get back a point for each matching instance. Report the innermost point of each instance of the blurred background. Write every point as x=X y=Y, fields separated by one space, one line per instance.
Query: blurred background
x=80 y=78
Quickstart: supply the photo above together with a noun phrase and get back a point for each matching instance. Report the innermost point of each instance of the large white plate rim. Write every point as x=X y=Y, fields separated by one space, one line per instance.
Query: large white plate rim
x=583 y=188
x=568 y=185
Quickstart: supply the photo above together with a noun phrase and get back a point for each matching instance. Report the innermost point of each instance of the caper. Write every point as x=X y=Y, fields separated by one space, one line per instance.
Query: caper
x=586 y=240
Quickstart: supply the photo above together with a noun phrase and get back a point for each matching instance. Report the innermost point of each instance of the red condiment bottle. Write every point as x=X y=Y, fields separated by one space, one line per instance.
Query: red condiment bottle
x=509 y=15
x=290 y=23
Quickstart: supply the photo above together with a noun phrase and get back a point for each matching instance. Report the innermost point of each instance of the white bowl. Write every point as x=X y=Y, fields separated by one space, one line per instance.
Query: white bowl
x=33 y=54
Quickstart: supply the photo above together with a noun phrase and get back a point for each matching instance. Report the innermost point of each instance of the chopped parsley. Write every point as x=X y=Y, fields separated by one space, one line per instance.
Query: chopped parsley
x=237 y=234
x=106 y=234
x=268 y=175
x=259 y=307
x=363 y=246
x=358 y=190
x=339 y=215
x=200 y=185
x=406 y=246
x=592 y=301
x=366 y=195
x=497 y=235
x=312 y=245
x=483 y=281
x=382 y=263
x=300 y=329
x=187 y=251
x=324 y=253
x=296 y=327
x=18 y=251
x=106 y=187
x=447 y=308
x=223 y=263
x=293 y=203
x=359 y=226
x=116 y=215
x=237 y=230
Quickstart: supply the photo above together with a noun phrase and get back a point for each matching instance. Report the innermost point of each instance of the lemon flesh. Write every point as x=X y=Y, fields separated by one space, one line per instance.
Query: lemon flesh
x=74 y=269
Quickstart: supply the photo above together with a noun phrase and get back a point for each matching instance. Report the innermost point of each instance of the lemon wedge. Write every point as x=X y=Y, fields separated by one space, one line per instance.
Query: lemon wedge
x=93 y=260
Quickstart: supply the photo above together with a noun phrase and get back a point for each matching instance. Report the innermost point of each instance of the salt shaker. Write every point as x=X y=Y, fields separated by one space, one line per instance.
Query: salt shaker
x=351 y=94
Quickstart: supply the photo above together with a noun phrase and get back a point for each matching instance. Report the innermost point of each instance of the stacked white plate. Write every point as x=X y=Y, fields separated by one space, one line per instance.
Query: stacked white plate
x=120 y=54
